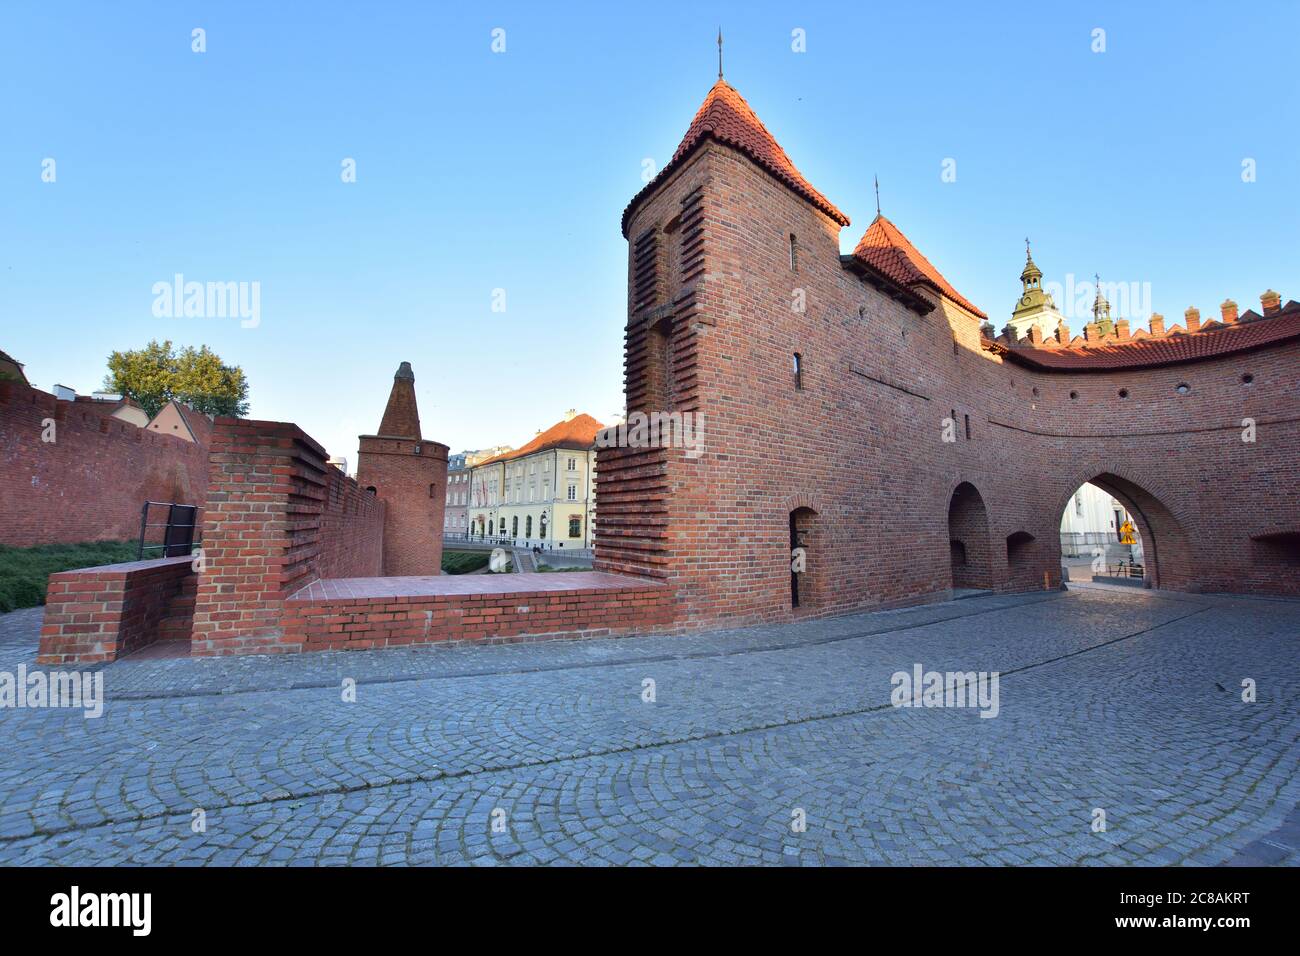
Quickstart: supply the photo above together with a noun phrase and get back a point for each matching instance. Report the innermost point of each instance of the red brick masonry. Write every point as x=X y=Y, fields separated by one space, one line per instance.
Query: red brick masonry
x=89 y=482
x=361 y=613
x=100 y=614
x=278 y=518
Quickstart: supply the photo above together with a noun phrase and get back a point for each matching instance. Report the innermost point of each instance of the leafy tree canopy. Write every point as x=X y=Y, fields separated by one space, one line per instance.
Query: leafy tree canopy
x=158 y=373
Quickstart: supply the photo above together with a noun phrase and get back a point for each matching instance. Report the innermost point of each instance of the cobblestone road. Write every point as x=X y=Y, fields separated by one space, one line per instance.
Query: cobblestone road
x=1125 y=701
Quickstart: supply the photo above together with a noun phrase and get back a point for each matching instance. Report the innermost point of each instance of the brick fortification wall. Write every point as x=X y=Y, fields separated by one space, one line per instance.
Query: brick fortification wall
x=277 y=519
x=352 y=529
x=90 y=483
x=857 y=452
x=100 y=614
x=293 y=551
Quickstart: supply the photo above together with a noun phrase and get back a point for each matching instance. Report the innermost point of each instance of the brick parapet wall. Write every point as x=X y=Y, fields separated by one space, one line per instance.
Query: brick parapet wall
x=100 y=614
x=352 y=529
x=90 y=483
x=523 y=615
x=278 y=518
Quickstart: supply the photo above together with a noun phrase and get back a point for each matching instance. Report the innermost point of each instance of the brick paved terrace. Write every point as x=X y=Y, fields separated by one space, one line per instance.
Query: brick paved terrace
x=1126 y=701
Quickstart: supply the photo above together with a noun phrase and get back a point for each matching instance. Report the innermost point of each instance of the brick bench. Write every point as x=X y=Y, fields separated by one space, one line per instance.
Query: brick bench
x=361 y=613
x=101 y=613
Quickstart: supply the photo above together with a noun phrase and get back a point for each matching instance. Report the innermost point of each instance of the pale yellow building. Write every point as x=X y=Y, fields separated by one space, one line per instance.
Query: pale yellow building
x=542 y=494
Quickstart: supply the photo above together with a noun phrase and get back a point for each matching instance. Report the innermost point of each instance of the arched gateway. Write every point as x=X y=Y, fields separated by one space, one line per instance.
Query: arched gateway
x=940 y=452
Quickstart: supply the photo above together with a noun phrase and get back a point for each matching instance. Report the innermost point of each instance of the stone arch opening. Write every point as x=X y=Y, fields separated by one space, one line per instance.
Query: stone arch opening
x=1023 y=560
x=804 y=563
x=1158 y=544
x=969 y=549
x=1277 y=550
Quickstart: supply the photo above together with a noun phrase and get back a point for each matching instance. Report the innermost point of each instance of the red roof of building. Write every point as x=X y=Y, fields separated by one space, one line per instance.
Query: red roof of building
x=578 y=432
x=1210 y=341
x=884 y=248
x=200 y=425
x=727 y=118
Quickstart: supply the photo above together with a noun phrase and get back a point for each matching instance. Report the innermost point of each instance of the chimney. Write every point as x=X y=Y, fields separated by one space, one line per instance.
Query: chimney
x=1121 y=328
x=1010 y=332
x=1157 y=324
x=1092 y=332
x=1193 y=317
x=1228 y=311
x=1035 y=335
x=1272 y=302
x=1063 y=333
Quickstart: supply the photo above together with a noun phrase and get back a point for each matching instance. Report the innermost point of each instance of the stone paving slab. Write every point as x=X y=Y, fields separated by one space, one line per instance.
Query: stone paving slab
x=1129 y=702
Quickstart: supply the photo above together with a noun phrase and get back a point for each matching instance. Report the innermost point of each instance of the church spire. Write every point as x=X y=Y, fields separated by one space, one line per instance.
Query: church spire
x=1035 y=306
x=1031 y=277
x=1101 y=309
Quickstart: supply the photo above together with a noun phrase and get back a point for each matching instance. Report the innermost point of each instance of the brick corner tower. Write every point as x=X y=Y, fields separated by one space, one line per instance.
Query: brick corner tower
x=409 y=474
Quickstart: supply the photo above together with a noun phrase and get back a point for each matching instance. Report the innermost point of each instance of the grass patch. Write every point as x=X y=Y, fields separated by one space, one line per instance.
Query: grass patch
x=24 y=572
x=463 y=562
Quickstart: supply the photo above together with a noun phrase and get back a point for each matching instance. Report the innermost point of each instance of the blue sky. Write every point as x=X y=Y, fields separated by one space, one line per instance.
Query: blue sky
x=478 y=171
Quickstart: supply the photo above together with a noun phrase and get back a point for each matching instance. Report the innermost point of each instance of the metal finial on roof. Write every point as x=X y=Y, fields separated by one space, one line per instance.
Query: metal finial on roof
x=1027 y=255
x=877 y=178
x=719 y=52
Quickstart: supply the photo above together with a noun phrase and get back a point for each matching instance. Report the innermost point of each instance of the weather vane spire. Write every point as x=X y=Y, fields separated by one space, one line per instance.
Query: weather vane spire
x=877 y=178
x=719 y=52
x=1027 y=255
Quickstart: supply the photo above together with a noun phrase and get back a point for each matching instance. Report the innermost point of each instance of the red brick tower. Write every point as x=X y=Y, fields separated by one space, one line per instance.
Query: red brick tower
x=409 y=475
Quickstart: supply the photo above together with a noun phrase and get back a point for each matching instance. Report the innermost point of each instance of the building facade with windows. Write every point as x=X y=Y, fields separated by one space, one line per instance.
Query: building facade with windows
x=459 y=468
x=456 y=517
x=542 y=494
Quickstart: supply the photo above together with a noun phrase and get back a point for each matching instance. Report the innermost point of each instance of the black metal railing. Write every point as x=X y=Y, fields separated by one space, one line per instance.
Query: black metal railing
x=1125 y=570
x=178 y=530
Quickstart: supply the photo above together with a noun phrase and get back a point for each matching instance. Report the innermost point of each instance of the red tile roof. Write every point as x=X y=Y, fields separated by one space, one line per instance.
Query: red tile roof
x=727 y=118
x=1211 y=340
x=884 y=247
x=578 y=432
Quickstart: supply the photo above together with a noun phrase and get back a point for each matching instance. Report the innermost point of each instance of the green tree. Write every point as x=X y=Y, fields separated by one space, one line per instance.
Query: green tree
x=158 y=373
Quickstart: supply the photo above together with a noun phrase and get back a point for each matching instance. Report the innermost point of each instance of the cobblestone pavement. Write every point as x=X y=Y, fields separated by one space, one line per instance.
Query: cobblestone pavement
x=1125 y=701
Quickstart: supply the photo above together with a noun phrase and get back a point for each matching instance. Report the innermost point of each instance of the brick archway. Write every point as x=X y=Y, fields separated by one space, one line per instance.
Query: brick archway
x=1166 y=545
x=807 y=533
x=970 y=549
x=800 y=500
